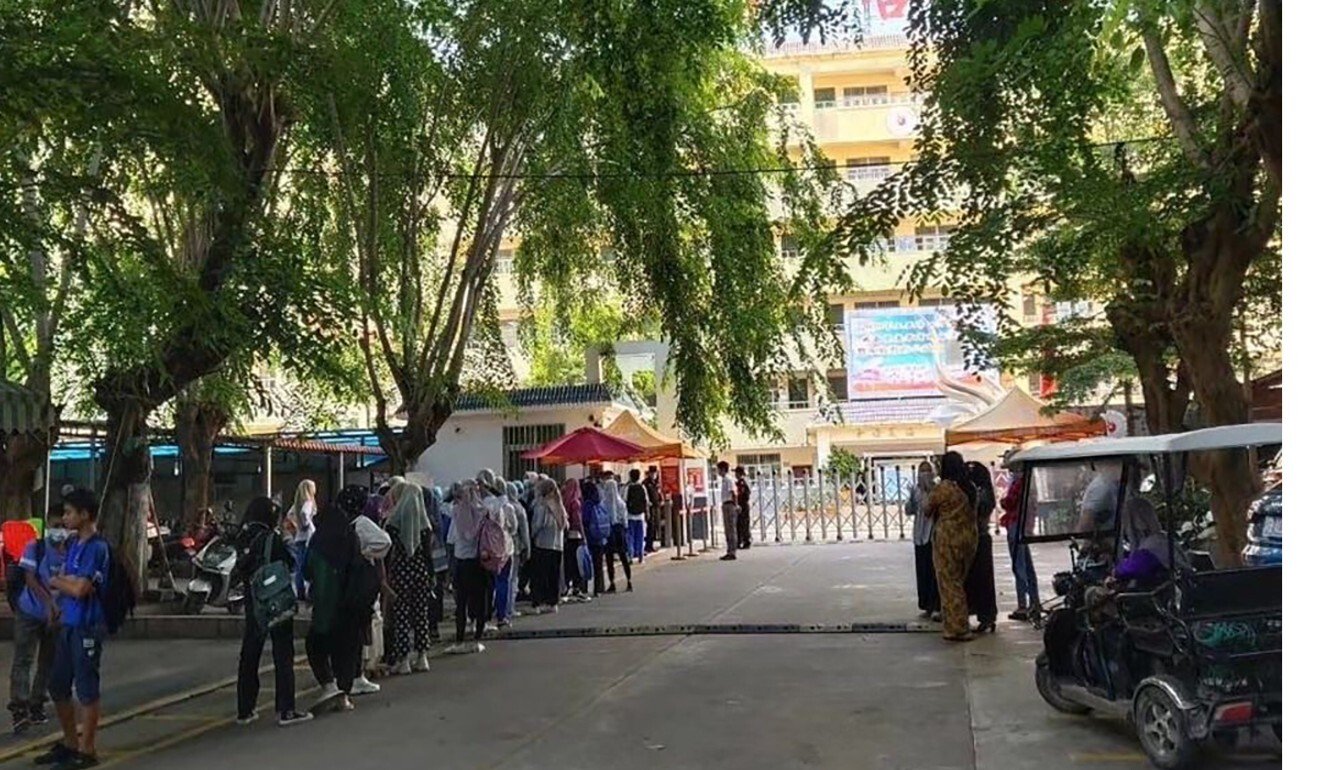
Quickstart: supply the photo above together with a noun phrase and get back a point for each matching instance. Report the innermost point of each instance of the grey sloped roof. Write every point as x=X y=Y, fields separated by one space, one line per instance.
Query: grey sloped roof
x=549 y=395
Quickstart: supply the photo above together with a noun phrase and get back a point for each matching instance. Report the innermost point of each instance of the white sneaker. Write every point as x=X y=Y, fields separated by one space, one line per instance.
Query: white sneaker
x=402 y=668
x=476 y=647
x=364 y=686
x=420 y=663
x=536 y=611
x=503 y=624
x=457 y=648
x=328 y=693
x=552 y=609
x=247 y=719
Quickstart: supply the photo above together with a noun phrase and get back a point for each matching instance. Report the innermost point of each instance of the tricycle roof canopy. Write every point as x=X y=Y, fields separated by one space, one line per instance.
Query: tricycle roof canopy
x=1222 y=437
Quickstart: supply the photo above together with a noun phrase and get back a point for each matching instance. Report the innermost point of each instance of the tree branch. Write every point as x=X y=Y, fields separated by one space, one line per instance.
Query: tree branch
x=1229 y=58
x=1180 y=119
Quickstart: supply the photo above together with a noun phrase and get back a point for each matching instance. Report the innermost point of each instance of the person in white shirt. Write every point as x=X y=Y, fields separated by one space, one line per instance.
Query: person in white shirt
x=727 y=491
x=618 y=543
x=300 y=525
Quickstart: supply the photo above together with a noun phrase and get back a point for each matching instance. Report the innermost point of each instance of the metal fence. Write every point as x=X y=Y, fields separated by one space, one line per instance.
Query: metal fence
x=825 y=506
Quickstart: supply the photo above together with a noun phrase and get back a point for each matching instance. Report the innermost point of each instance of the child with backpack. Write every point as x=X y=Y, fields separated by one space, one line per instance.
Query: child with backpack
x=266 y=570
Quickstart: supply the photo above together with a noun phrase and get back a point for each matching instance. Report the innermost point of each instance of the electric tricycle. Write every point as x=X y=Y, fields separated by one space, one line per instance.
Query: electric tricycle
x=1142 y=626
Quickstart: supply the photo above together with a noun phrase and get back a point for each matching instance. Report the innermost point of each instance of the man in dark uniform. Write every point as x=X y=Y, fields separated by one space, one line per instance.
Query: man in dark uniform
x=743 y=496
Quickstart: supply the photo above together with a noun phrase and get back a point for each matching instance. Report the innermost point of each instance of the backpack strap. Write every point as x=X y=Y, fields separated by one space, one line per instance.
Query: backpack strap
x=270 y=543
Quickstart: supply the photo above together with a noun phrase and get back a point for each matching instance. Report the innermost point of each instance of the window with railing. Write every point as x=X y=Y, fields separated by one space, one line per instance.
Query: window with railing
x=863 y=96
x=504 y=262
x=836 y=316
x=839 y=387
x=933 y=238
x=876 y=304
x=788 y=247
x=824 y=98
x=754 y=464
x=799 y=393
x=935 y=302
x=870 y=168
x=521 y=438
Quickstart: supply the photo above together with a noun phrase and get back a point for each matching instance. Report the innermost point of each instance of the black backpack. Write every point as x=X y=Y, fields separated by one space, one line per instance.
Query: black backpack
x=361 y=585
x=15 y=580
x=118 y=593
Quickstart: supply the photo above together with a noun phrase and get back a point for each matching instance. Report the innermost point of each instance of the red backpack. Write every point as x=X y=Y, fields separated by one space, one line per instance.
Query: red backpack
x=492 y=544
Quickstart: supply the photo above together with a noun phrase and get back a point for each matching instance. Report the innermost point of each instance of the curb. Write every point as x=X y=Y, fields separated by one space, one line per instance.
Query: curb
x=716 y=629
x=132 y=712
x=160 y=627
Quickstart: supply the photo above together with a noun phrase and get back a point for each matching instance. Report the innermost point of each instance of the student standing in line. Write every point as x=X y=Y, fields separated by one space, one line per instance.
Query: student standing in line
x=258 y=533
x=374 y=545
x=300 y=525
x=596 y=522
x=638 y=501
x=573 y=540
x=614 y=505
x=471 y=581
x=980 y=582
x=549 y=522
x=76 y=669
x=332 y=640
x=36 y=624
x=410 y=578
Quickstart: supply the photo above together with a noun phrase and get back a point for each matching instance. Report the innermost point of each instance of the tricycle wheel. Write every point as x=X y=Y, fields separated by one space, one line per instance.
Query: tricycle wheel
x=1048 y=686
x=1163 y=731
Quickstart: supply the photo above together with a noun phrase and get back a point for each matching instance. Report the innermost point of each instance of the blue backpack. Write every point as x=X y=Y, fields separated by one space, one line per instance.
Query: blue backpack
x=596 y=521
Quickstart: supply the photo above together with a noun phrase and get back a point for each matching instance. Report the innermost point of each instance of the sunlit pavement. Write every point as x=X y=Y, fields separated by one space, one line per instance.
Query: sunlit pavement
x=631 y=686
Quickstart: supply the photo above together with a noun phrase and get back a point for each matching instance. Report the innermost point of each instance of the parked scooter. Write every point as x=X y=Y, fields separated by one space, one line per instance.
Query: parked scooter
x=213 y=568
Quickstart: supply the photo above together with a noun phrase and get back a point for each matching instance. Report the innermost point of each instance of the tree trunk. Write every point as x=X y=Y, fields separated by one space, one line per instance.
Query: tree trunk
x=405 y=448
x=126 y=500
x=1204 y=338
x=23 y=456
x=197 y=424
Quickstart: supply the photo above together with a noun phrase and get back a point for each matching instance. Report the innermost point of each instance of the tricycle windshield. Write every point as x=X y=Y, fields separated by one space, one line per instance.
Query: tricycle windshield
x=1075 y=499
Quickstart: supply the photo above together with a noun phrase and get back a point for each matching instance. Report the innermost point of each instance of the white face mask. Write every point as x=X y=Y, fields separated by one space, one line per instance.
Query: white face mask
x=57 y=535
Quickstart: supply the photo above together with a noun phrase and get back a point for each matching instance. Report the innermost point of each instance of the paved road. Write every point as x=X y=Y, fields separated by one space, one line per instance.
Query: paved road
x=819 y=700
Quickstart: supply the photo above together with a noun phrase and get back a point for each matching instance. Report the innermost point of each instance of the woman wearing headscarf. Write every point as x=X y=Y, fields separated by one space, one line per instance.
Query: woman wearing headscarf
x=980 y=583
x=259 y=533
x=516 y=530
x=408 y=567
x=928 y=590
x=332 y=642
x=471 y=581
x=374 y=545
x=618 y=542
x=549 y=522
x=573 y=538
x=596 y=526
x=1148 y=559
x=299 y=526
x=950 y=506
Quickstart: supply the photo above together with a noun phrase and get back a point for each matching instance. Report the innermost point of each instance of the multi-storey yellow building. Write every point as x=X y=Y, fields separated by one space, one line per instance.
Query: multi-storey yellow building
x=853 y=97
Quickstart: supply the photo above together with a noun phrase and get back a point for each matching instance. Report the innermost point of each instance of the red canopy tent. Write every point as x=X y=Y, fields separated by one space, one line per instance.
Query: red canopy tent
x=586 y=445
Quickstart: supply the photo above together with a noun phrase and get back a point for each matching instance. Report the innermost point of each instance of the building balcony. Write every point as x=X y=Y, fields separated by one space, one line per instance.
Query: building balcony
x=891 y=117
x=895 y=43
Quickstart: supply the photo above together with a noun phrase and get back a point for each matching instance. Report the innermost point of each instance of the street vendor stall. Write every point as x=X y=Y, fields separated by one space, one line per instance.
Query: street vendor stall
x=583 y=446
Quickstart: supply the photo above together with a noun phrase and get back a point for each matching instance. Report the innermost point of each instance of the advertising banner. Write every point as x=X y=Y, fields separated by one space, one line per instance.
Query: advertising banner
x=906 y=352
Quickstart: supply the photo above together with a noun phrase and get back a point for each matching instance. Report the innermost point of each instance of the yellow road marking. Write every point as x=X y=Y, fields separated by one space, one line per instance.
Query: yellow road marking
x=191 y=733
x=1108 y=757
x=175 y=717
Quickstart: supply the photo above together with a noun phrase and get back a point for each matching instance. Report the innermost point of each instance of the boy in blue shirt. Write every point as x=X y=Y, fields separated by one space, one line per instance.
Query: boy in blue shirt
x=77 y=665
x=36 y=622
